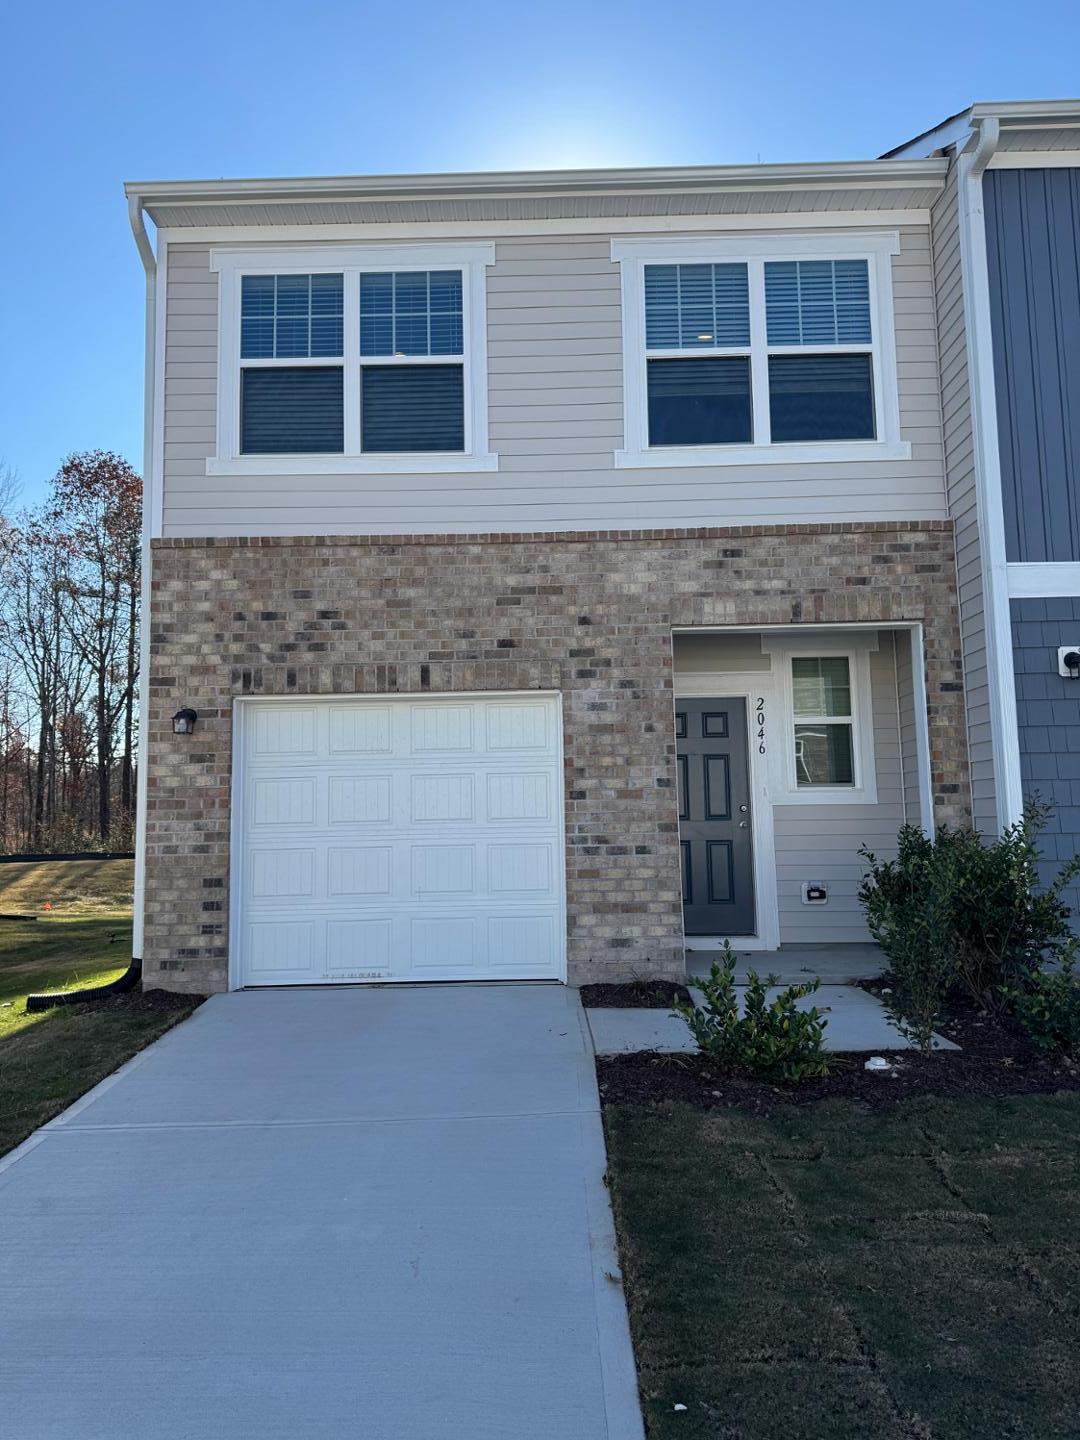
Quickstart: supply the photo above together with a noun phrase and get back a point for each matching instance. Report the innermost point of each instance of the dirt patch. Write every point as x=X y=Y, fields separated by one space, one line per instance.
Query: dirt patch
x=634 y=995
x=996 y=1058
x=142 y=1002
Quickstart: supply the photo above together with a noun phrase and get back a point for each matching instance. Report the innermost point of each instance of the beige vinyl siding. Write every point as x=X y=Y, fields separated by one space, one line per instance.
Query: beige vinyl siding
x=555 y=396
x=960 y=474
x=821 y=843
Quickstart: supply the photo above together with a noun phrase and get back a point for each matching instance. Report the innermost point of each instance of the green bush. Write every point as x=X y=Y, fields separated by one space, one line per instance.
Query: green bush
x=955 y=914
x=1048 y=1007
x=771 y=1038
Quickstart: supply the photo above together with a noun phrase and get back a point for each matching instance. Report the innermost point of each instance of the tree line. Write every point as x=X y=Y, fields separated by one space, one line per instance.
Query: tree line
x=69 y=658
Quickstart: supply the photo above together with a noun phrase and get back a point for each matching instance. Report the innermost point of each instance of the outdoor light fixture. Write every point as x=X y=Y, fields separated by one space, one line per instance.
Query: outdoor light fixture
x=183 y=722
x=1069 y=662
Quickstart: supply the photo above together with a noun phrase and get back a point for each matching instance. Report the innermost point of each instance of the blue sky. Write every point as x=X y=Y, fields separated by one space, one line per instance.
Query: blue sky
x=95 y=95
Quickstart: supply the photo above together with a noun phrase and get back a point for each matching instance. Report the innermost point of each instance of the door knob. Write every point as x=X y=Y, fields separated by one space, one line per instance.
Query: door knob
x=743 y=824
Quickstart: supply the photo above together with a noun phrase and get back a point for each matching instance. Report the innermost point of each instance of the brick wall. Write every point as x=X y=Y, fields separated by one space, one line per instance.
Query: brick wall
x=588 y=614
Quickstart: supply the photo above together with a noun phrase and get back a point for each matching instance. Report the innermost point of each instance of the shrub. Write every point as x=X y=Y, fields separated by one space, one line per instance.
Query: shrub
x=772 y=1037
x=1048 y=1007
x=956 y=914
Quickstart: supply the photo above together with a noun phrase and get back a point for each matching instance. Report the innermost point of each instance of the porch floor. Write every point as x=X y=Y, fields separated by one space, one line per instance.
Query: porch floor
x=835 y=964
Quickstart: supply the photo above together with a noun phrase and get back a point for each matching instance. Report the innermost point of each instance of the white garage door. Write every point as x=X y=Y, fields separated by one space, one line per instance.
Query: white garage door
x=400 y=839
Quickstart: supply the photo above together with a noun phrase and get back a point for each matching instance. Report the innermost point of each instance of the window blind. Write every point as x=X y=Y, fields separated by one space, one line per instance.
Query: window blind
x=817 y=302
x=699 y=307
x=411 y=312
x=291 y=317
x=292 y=409
x=412 y=408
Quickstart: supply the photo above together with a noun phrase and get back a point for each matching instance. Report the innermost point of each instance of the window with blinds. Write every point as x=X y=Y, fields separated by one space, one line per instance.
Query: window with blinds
x=802 y=370
x=405 y=361
x=817 y=393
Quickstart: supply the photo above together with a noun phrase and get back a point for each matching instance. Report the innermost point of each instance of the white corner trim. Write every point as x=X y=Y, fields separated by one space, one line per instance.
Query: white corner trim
x=875 y=247
x=1054 y=580
x=1001 y=684
x=922 y=731
x=233 y=262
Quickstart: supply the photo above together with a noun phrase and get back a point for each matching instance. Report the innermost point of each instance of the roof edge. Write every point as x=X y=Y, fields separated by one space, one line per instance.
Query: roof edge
x=841 y=174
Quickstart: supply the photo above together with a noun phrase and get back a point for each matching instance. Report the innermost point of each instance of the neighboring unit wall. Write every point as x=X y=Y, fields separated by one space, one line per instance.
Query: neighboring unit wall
x=590 y=615
x=555 y=381
x=1048 y=712
x=1033 y=254
x=960 y=473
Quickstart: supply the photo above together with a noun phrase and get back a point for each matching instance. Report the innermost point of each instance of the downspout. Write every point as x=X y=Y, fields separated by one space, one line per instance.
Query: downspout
x=133 y=974
x=1001 y=684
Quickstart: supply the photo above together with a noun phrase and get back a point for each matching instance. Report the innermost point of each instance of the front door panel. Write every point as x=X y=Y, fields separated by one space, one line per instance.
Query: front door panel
x=715 y=826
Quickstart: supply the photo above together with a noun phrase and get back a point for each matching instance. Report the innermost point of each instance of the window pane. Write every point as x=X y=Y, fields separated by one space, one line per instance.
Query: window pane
x=821 y=397
x=412 y=407
x=821 y=686
x=691 y=307
x=412 y=312
x=700 y=402
x=823 y=755
x=817 y=302
x=292 y=410
x=295 y=317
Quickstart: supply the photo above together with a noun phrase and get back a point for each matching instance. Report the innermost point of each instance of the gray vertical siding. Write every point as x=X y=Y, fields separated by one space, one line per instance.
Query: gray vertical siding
x=960 y=478
x=1048 y=714
x=1033 y=252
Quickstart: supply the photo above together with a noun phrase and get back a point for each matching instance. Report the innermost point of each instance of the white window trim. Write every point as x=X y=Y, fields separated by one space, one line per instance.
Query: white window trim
x=349 y=260
x=876 y=247
x=856 y=651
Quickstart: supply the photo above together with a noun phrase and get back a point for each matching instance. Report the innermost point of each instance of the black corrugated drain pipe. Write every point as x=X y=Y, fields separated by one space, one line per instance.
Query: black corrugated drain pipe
x=49 y=1001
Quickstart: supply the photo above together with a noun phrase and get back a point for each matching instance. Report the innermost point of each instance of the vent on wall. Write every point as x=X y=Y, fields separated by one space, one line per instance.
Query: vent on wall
x=814 y=893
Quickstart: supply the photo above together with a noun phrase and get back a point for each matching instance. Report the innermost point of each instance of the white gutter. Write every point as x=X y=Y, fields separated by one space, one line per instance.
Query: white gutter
x=146 y=254
x=1001 y=684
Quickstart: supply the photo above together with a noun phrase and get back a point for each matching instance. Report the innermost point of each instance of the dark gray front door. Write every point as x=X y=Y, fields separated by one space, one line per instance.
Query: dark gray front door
x=714 y=817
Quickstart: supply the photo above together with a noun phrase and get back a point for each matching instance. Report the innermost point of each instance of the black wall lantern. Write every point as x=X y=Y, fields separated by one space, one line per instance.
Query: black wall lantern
x=1069 y=662
x=183 y=722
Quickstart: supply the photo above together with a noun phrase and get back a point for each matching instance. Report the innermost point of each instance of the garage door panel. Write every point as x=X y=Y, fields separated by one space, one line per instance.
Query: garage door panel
x=359 y=730
x=415 y=839
x=281 y=874
x=279 y=947
x=443 y=870
x=354 y=870
x=359 y=948
x=359 y=799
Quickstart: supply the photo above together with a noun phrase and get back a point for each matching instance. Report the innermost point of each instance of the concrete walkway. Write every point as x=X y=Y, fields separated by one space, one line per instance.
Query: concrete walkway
x=306 y=1215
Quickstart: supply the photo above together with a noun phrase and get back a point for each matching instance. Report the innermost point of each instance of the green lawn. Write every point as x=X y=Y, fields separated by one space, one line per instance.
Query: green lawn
x=828 y=1272
x=49 y=1060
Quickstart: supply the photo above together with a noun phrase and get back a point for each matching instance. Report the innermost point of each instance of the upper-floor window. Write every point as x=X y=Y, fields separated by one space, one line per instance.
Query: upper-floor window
x=748 y=350
x=371 y=360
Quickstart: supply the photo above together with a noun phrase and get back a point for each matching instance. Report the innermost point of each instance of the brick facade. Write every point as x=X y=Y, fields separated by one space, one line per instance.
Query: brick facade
x=588 y=614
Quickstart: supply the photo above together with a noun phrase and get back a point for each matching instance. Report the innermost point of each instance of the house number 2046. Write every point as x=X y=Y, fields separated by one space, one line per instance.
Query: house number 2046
x=759 y=723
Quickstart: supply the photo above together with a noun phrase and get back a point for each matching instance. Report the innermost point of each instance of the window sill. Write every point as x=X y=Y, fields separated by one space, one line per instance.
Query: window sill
x=839 y=452
x=432 y=463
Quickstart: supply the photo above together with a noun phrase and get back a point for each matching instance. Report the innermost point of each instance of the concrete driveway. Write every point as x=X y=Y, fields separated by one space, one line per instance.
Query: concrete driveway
x=370 y=1213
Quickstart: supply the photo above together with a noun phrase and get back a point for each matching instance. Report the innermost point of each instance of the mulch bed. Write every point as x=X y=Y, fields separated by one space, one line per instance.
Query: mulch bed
x=635 y=995
x=996 y=1058
x=143 y=1002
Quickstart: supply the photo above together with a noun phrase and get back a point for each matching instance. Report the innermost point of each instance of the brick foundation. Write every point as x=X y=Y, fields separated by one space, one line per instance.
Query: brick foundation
x=588 y=614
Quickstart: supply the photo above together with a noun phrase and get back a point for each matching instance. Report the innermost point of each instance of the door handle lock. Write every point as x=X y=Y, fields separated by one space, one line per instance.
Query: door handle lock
x=743 y=824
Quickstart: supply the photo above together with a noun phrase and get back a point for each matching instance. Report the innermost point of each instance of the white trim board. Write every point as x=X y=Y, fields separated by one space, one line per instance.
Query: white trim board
x=1053 y=580
x=404 y=230
x=1035 y=160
